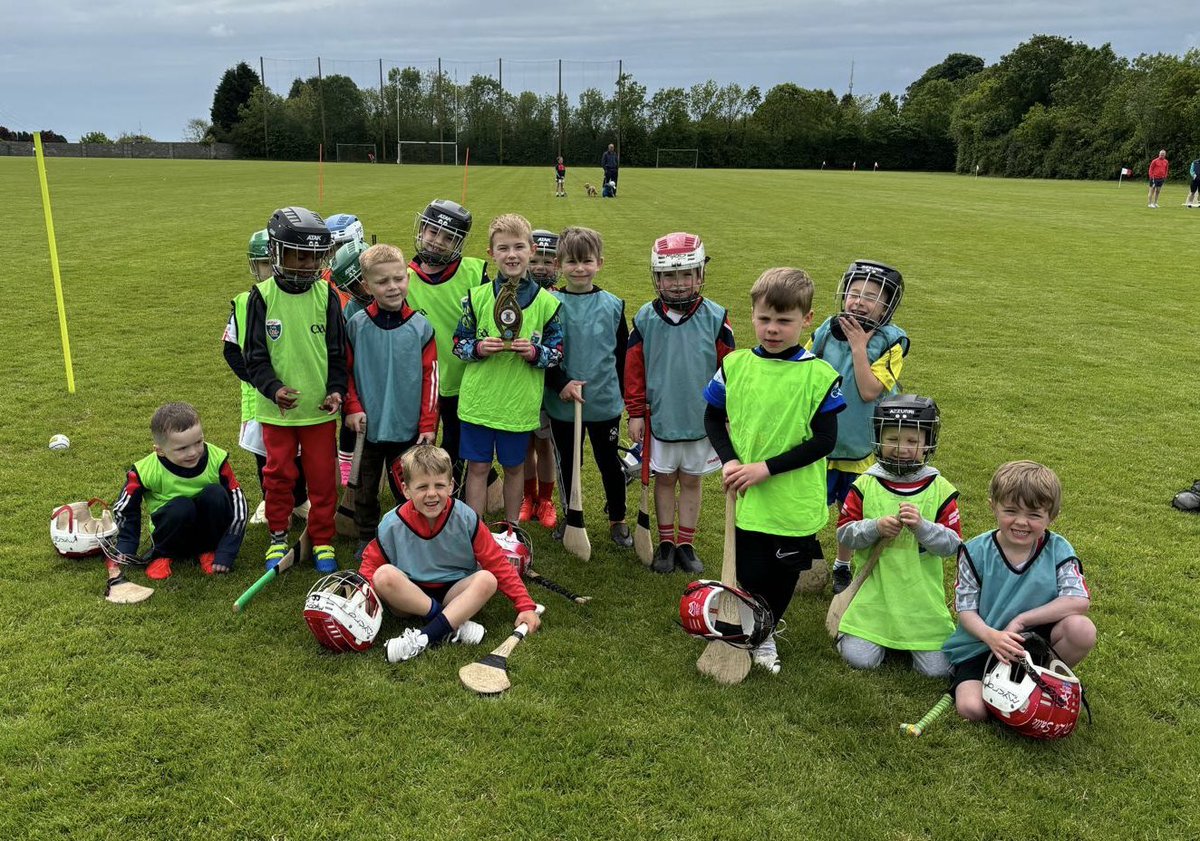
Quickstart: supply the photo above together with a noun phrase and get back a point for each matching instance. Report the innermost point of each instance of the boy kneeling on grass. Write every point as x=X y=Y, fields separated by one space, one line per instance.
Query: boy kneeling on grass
x=435 y=558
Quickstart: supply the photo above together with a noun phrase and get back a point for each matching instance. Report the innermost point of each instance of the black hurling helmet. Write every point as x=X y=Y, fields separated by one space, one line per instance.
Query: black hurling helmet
x=906 y=411
x=300 y=236
x=440 y=231
x=891 y=290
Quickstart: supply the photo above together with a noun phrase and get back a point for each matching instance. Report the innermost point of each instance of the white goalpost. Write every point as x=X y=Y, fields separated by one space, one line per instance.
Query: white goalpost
x=427 y=152
x=677 y=158
x=359 y=153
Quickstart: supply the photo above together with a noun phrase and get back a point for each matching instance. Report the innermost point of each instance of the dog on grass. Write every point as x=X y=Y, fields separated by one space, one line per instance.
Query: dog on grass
x=591 y=190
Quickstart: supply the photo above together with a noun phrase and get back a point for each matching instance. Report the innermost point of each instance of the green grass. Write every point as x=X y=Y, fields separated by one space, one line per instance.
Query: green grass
x=1051 y=320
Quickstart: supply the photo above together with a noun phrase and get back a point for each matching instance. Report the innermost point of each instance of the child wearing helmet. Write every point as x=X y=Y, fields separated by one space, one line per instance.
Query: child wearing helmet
x=234 y=342
x=677 y=343
x=537 y=502
x=1015 y=578
x=436 y=559
x=772 y=415
x=439 y=278
x=296 y=359
x=904 y=501
x=868 y=350
x=343 y=274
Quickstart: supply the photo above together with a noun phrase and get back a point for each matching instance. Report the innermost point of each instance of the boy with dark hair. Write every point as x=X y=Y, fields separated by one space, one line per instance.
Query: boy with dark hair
x=392 y=396
x=296 y=358
x=195 y=504
x=435 y=558
x=560 y=178
x=781 y=404
x=504 y=378
x=677 y=342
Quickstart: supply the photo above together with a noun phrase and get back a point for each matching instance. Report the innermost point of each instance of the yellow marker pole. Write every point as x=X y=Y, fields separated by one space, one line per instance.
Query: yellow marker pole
x=58 y=292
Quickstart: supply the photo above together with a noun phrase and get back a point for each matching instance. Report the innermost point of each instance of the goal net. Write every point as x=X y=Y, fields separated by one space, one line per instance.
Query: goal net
x=677 y=158
x=356 y=153
x=427 y=152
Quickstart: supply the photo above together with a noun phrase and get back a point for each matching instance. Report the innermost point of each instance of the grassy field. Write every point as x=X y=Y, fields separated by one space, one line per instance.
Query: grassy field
x=1051 y=320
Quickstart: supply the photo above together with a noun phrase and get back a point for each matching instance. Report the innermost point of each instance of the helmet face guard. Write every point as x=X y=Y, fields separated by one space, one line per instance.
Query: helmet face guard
x=515 y=544
x=258 y=254
x=346 y=271
x=870 y=293
x=343 y=612
x=300 y=246
x=903 y=412
x=1039 y=701
x=440 y=231
x=700 y=605
x=671 y=257
x=545 y=244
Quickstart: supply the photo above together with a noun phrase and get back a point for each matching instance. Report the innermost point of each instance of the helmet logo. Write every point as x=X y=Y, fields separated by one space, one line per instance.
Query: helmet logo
x=274 y=329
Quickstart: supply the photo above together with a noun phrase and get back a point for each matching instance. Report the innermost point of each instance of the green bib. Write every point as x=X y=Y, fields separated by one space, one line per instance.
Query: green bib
x=239 y=320
x=762 y=425
x=296 y=338
x=504 y=391
x=441 y=304
x=902 y=604
x=161 y=485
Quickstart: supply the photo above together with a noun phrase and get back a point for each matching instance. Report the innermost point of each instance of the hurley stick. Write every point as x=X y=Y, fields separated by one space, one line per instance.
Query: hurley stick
x=642 y=544
x=839 y=603
x=343 y=520
x=720 y=660
x=554 y=586
x=489 y=675
x=300 y=550
x=944 y=703
x=575 y=538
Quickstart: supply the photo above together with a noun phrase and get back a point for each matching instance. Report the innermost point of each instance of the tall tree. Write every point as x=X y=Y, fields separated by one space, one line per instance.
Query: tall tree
x=232 y=93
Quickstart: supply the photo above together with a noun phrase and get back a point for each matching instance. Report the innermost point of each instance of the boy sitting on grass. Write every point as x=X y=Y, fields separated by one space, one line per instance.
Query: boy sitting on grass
x=436 y=559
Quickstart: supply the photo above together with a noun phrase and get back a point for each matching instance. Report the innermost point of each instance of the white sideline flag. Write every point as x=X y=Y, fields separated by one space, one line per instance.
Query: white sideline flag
x=1126 y=171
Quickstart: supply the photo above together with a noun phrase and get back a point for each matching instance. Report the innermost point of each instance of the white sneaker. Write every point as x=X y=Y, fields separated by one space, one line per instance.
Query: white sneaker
x=406 y=646
x=301 y=510
x=468 y=633
x=260 y=514
x=767 y=657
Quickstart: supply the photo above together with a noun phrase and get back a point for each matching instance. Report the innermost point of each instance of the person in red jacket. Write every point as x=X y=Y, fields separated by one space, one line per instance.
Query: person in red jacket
x=1158 y=174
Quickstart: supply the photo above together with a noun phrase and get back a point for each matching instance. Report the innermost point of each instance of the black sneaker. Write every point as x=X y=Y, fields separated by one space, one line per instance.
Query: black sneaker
x=664 y=557
x=621 y=536
x=841 y=578
x=559 y=530
x=685 y=559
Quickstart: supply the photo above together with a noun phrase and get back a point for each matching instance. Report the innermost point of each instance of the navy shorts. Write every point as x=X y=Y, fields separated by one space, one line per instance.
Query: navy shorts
x=837 y=485
x=479 y=443
x=973 y=669
x=1195 y=184
x=1157 y=182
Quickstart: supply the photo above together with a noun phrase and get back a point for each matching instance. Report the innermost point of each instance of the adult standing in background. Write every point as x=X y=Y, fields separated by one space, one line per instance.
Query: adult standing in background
x=1193 y=199
x=1158 y=174
x=610 y=163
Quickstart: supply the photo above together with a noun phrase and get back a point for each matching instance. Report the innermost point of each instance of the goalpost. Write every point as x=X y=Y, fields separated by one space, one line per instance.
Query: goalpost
x=359 y=153
x=677 y=158
x=427 y=152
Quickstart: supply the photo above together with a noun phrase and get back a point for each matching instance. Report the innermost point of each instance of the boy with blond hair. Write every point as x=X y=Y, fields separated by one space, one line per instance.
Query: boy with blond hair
x=773 y=416
x=392 y=397
x=503 y=380
x=677 y=343
x=1017 y=577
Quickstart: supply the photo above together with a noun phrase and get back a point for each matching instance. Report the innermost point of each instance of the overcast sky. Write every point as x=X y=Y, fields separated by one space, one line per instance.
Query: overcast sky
x=151 y=65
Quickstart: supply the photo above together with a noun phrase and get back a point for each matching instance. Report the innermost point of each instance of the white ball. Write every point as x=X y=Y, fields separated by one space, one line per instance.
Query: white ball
x=59 y=443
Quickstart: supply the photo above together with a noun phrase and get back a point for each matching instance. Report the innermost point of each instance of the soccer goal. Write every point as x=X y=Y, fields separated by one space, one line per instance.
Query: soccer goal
x=677 y=158
x=356 y=153
x=427 y=152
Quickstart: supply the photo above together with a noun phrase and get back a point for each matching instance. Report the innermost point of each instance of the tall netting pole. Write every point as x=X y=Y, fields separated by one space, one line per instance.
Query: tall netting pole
x=501 y=79
x=262 y=81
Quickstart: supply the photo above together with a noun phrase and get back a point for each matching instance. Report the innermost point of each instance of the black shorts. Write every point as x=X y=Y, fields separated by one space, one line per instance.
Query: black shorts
x=1157 y=182
x=974 y=668
x=435 y=589
x=1195 y=184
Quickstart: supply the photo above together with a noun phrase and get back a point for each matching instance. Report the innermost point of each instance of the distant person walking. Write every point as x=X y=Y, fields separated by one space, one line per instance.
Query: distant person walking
x=610 y=163
x=1193 y=199
x=1158 y=174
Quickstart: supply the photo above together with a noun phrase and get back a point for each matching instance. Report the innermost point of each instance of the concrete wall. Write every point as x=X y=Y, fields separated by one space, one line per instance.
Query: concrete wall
x=221 y=151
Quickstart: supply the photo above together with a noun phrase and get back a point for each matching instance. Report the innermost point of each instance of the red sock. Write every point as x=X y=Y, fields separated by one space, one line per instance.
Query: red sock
x=686 y=535
x=531 y=488
x=545 y=490
x=666 y=533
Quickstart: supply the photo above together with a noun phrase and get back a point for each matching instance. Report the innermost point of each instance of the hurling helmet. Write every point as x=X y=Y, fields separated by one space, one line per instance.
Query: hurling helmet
x=677 y=252
x=515 y=544
x=1188 y=500
x=257 y=251
x=344 y=228
x=545 y=244
x=76 y=533
x=298 y=233
x=699 y=606
x=346 y=271
x=447 y=224
x=1039 y=699
x=906 y=411
x=343 y=612
x=891 y=290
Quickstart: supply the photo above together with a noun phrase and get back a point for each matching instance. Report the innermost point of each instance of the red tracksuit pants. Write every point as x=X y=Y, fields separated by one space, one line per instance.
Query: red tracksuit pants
x=318 y=454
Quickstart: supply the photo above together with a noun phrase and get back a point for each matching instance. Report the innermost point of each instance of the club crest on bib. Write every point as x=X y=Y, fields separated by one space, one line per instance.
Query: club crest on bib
x=274 y=329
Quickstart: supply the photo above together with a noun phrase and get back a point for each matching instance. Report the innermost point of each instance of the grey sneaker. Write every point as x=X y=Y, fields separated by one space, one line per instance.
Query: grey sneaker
x=841 y=578
x=468 y=633
x=685 y=559
x=664 y=557
x=406 y=646
x=621 y=536
x=766 y=656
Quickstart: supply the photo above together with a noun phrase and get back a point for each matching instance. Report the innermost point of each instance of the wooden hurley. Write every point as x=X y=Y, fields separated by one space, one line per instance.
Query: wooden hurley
x=343 y=520
x=642 y=544
x=507 y=313
x=839 y=604
x=555 y=587
x=575 y=538
x=300 y=550
x=721 y=661
x=489 y=675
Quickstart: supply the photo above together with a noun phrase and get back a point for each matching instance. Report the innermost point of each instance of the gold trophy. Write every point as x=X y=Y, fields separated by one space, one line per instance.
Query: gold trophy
x=507 y=312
